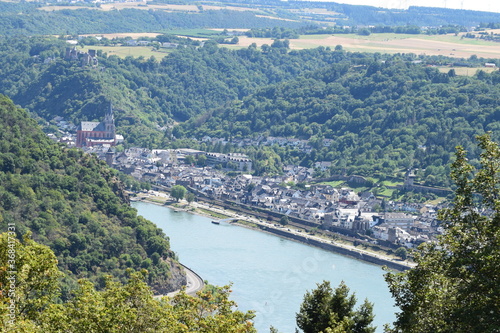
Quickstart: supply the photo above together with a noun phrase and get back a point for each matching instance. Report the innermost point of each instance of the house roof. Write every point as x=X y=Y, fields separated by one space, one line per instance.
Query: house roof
x=89 y=126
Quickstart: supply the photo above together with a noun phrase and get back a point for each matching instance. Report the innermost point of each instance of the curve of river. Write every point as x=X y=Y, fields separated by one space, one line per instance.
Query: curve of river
x=269 y=274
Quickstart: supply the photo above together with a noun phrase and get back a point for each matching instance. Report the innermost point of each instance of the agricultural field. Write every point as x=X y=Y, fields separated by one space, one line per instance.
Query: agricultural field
x=467 y=71
x=446 y=45
x=145 y=6
x=451 y=45
x=133 y=35
x=133 y=51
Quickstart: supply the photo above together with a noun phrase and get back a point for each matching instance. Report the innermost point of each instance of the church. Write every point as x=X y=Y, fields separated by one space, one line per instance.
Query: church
x=93 y=133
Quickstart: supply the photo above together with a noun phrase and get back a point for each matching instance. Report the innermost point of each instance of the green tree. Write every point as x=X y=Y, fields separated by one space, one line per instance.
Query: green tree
x=117 y=308
x=28 y=278
x=178 y=192
x=284 y=220
x=328 y=310
x=401 y=252
x=455 y=285
x=189 y=160
x=132 y=308
x=190 y=197
x=201 y=160
x=364 y=32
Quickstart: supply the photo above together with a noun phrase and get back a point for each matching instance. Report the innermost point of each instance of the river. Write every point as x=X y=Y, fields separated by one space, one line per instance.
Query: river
x=269 y=274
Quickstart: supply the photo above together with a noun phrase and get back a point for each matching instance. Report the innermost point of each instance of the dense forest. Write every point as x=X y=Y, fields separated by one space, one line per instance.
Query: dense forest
x=76 y=205
x=148 y=94
x=25 y=18
x=378 y=114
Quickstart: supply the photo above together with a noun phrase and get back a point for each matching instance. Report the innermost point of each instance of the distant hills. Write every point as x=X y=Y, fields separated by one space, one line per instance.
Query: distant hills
x=30 y=18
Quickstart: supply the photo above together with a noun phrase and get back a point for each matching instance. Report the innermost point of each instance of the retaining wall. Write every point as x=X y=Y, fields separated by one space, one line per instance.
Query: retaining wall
x=338 y=249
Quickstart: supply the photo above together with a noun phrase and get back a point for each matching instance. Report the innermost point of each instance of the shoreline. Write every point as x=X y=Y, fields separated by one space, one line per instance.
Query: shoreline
x=294 y=235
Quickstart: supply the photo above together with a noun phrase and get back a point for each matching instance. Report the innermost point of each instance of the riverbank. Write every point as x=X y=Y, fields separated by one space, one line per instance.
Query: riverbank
x=295 y=234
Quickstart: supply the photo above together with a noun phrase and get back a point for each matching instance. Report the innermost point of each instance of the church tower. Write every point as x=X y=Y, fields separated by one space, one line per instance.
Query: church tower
x=92 y=133
x=109 y=123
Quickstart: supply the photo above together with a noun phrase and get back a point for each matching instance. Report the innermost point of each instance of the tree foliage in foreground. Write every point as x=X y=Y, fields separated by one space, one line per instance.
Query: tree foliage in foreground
x=117 y=308
x=329 y=311
x=456 y=284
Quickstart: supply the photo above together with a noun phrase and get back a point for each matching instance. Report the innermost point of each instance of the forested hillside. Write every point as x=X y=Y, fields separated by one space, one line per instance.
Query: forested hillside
x=76 y=205
x=26 y=19
x=29 y=18
x=368 y=114
x=381 y=116
x=146 y=93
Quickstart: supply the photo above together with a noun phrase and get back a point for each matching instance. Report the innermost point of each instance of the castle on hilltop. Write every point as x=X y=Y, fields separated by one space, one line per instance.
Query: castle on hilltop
x=93 y=133
x=85 y=58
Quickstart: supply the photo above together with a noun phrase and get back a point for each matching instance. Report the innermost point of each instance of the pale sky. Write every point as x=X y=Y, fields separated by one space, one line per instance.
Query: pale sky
x=483 y=5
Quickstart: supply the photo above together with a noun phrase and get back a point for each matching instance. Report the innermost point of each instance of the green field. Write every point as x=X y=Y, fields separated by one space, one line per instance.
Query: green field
x=391 y=183
x=132 y=51
x=336 y=183
x=450 y=45
x=467 y=71
x=446 y=45
x=196 y=33
x=387 y=192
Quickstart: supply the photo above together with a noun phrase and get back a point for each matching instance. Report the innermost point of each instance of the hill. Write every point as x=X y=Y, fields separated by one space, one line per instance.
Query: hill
x=76 y=205
x=147 y=94
x=27 y=19
x=369 y=114
x=29 y=300
x=365 y=115
x=30 y=18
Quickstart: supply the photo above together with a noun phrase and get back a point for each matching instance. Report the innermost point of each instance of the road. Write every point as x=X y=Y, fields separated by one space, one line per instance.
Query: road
x=194 y=283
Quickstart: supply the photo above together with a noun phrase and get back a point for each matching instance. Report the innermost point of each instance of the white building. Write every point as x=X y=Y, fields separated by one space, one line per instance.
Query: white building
x=400 y=220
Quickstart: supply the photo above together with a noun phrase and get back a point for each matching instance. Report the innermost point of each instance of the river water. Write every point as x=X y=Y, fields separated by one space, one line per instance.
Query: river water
x=269 y=274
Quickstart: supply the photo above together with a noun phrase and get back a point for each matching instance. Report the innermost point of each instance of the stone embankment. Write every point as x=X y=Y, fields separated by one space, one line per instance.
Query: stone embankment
x=337 y=248
x=292 y=234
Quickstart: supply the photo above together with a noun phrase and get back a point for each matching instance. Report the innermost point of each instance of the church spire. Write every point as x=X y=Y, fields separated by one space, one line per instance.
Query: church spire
x=109 y=113
x=109 y=122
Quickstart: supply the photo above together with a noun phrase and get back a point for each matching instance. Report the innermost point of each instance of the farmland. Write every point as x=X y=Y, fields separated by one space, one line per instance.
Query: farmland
x=146 y=6
x=450 y=45
x=445 y=45
x=133 y=51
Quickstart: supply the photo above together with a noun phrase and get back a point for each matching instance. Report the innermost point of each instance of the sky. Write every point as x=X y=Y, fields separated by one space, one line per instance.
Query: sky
x=483 y=5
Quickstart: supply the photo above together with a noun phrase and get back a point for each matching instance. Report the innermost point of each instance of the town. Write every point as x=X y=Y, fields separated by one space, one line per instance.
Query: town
x=316 y=205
